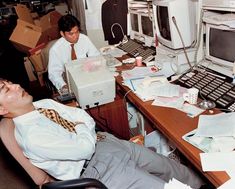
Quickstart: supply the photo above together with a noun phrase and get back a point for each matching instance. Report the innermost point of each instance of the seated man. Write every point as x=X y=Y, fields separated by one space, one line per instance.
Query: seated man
x=62 y=141
x=70 y=46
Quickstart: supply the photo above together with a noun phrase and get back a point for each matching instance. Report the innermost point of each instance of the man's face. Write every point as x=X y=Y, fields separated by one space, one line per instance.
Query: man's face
x=12 y=97
x=72 y=36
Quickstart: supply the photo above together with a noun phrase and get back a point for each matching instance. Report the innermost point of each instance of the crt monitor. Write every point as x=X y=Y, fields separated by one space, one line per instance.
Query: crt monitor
x=134 y=25
x=184 y=12
x=147 y=29
x=220 y=45
x=141 y=27
x=146 y=26
x=134 y=22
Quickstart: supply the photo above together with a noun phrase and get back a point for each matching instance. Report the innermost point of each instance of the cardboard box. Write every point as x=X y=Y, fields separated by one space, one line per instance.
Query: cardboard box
x=36 y=60
x=38 y=66
x=30 y=33
x=29 y=69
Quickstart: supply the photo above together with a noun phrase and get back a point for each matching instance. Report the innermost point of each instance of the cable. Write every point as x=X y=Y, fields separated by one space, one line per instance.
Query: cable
x=104 y=119
x=199 y=38
x=182 y=41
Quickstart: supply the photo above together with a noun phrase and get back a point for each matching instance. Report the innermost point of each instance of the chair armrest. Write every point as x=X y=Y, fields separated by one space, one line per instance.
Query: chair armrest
x=74 y=184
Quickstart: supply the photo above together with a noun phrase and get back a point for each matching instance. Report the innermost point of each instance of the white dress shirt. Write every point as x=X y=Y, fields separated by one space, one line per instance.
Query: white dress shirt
x=51 y=147
x=60 y=53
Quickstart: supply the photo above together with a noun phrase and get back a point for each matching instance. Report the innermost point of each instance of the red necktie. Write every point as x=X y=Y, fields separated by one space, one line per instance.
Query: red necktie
x=73 y=54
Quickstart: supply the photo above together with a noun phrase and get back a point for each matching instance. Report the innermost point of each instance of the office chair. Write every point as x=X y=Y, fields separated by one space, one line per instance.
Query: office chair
x=42 y=70
x=45 y=60
x=40 y=177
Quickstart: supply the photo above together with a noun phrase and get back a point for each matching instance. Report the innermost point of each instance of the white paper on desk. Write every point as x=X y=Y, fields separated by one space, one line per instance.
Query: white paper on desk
x=157 y=89
x=191 y=110
x=174 y=184
x=216 y=125
x=217 y=161
x=228 y=185
x=223 y=144
x=203 y=143
x=139 y=72
x=231 y=172
x=166 y=90
x=173 y=102
x=169 y=102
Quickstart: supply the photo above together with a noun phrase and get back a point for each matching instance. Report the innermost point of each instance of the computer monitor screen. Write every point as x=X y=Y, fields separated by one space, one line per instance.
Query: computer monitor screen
x=220 y=44
x=163 y=24
x=184 y=13
x=147 y=26
x=134 y=22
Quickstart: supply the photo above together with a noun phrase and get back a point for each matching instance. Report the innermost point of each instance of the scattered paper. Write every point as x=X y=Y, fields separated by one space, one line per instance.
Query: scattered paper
x=203 y=143
x=217 y=161
x=228 y=185
x=138 y=72
x=191 y=110
x=218 y=125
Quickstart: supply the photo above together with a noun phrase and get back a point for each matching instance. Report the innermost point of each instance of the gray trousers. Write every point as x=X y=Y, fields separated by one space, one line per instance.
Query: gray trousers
x=122 y=164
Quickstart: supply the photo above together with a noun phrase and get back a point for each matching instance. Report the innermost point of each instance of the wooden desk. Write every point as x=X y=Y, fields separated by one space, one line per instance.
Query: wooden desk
x=114 y=113
x=173 y=124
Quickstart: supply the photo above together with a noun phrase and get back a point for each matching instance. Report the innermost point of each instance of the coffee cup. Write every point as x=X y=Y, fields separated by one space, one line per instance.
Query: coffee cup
x=138 y=60
x=191 y=95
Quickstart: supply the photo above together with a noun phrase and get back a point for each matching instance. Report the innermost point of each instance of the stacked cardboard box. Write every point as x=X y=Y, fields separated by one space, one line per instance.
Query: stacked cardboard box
x=30 y=32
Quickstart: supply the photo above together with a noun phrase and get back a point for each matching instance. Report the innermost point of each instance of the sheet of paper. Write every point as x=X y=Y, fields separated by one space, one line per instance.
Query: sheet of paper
x=169 y=102
x=216 y=125
x=231 y=172
x=173 y=102
x=174 y=183
x=223 y=144
x=156 y=89
x=191 y=110
x=165 y=90
x=228 y=185
x=217 y=161
x=138 y=72
x=203 y=143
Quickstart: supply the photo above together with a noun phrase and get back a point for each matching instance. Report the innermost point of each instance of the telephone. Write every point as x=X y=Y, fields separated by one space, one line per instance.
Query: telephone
x=148 y=80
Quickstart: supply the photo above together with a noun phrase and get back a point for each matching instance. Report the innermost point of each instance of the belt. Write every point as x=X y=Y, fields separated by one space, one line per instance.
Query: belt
x=85 y=166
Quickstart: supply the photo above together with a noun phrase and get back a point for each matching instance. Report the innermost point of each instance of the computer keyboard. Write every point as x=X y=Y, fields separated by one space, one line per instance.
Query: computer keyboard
x=212 y=85
x=134 y=49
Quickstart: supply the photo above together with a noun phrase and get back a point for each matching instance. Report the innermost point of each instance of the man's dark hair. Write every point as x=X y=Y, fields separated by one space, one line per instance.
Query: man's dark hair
x=67 y=22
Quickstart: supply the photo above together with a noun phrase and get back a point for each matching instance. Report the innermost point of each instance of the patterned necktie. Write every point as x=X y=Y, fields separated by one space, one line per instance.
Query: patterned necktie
x=73 y=54
x=54 y=116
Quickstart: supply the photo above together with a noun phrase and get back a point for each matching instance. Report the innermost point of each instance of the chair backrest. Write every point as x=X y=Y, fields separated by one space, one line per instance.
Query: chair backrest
x=8 y=138
x=45 y=53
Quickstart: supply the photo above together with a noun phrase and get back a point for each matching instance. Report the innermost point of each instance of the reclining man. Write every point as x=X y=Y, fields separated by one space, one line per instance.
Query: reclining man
x=68 y=147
